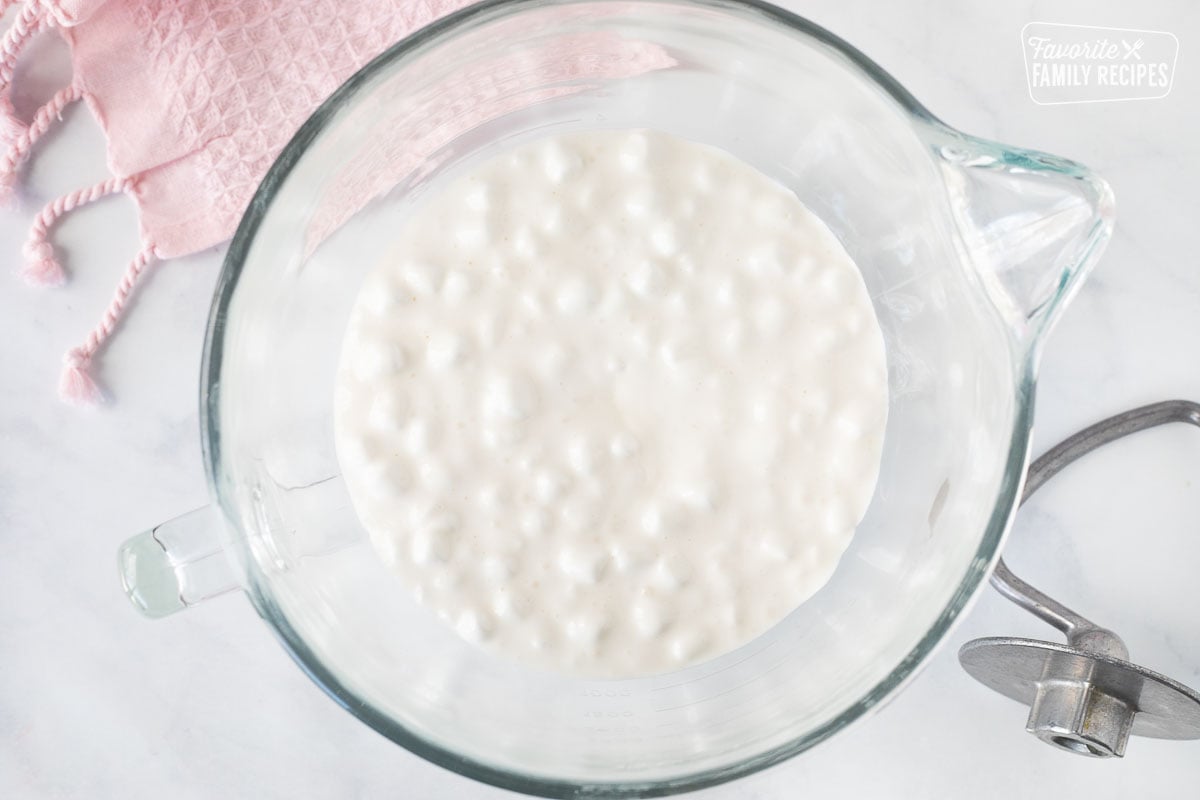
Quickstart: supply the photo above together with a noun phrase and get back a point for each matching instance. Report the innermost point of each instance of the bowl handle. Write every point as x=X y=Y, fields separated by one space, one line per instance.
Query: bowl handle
x=175 y=565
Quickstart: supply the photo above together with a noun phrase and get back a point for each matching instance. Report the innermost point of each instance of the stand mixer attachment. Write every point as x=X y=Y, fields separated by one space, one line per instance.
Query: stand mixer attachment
x=1085 y=696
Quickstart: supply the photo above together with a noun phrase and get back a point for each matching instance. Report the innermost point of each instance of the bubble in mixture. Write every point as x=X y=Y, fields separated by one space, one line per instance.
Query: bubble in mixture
x=379 y=360
x=445 y=349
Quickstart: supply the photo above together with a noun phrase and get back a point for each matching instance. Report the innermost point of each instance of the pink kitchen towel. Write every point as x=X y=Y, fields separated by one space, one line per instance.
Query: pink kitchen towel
x=197 y=97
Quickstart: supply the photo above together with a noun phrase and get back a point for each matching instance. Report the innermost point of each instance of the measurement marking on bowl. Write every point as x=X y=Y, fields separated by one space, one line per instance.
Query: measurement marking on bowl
x=742 y=685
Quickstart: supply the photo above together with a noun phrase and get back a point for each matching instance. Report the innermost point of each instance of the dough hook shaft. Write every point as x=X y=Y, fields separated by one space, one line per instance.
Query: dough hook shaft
x=1033 y=600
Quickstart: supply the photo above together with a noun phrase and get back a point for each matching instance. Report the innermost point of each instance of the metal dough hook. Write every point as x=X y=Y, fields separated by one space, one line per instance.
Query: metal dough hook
x=1085 y=696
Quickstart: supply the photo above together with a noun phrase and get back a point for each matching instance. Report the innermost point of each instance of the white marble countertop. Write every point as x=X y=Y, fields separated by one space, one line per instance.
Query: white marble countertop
x=96 y=702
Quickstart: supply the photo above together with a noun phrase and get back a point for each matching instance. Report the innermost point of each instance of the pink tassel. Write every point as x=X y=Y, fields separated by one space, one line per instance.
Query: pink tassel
x=41 y=266
x=76 y=386
x=11 y=128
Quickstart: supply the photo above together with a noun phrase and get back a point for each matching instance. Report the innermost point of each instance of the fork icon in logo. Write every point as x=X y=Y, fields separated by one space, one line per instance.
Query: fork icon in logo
x=1132 y=49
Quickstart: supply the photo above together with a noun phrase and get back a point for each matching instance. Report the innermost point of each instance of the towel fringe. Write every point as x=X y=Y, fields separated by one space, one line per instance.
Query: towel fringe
x=21 y=145
x=42 y=267
x=29 y=22
x=77 y=384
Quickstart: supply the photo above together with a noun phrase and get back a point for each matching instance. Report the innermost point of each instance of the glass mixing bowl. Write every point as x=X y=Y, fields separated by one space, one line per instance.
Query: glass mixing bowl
x=968 y=249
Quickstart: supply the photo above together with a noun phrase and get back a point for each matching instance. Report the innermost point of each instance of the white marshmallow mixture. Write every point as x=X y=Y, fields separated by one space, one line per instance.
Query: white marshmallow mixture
x=614 y=405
